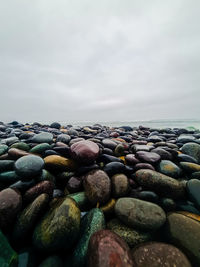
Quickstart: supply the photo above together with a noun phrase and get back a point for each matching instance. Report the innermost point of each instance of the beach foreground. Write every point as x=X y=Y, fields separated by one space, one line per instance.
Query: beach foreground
x=99 y=196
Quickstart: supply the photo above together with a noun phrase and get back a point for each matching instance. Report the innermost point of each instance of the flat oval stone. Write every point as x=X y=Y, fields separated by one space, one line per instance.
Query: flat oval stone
x=161 y=184
x=64 y=138
x=58 y=230
x=190 y=167
x=156 y=254
x=3 y=149
x=193 y=190
x=97 y=186
x=6 y=165
x=108 y=143
x=140 y=214
x=21 y=146
x=108 y=249
x=40 y=148
x=120 y=185
x=43 y=137
x=169 y=168
x=59 y=163
x=131 y=236
x=163 y=153
x=8 y=177
x=16 y=153
x=193 y=150
x=92 y=222
x=85 y=151
x=28 y=217
x=184 y=232
x=10 y=205
x=186 y=158
x=131 y=160
x=29 y=166
x=140 y=166
x=114 y=168
x=149 y=157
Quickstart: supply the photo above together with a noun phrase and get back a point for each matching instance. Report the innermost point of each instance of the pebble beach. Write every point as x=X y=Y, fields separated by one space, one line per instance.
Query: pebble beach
x=99 y=196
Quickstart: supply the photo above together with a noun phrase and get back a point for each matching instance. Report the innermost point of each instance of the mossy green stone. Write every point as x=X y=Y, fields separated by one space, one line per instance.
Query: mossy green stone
x=3 y=149
x=9 y=177
x=51 y=261
x=8 y=257
x=21 y=145
x=46 y=176
x=28 y=217
x=92 y=222
x=59 y=228
x=169 y=168
x=41 y=148
x=130 y=235
x=81 y=200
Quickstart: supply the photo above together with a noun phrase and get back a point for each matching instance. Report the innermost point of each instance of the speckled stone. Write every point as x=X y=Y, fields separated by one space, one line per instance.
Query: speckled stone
x=108 y=249
x=161 y=184
x=157 y=254
x=120 y=185
x=27 y=219
x=97 y=186
x=130 y=235
x=59 y=228
x=184 y=232
x=40 y=188
x=90 y=223
x=139 y=214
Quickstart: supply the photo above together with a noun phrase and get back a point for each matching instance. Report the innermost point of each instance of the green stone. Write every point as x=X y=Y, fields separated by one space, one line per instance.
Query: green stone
x=46 y=176
x=90 y=223
x=130 y=235
x=59 y=228
x=27 y=219
x=40 y=149
x=8 y=257
x=9 y=177
x=192 y=149
x=3 y=149
x=6 y=165
x=21 y=145
x=190 y=167
x=81 y=200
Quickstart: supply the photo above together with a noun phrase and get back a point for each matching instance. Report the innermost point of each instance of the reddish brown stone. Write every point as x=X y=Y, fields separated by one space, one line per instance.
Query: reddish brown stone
x=10 y=205
x=131 y=159
x=107 y=249
x=157 y=254
x=40 y=188
x=97 y=186
x=16 y=153
x=149 y=157
x=140 y=166
x=85 y=151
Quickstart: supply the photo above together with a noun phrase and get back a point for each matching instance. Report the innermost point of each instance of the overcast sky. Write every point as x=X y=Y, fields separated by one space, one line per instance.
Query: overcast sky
x=99 y=60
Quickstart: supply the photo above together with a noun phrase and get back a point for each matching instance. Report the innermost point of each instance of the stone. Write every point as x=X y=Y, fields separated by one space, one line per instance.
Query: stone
x=40 y=148
x=74 y=184
x=59 y=163
x=148 y=157
x=81 y=200
x=148 y=196
x=140 y=166
x=192 y=149
x=8 y=177
x=131 y=160
x=190 y=167
x=185 y=138
x=108 y=207
x=186 y=158
x=21 y=146
x=193 y=190
x=161 y=184
x=59 y=228
x=169 y=168
x=163 y=153
x=6 y=165
x=108 y=249
x=10 y=205
x=184 y=232
x=28 y=167
x=97 y=186
x=108 y=143
x=130 y=235
x=85 y=151
x=139 y=214
x=113 y=168
x=16 y=153
x=43 y=137
x=52 y=261
x=32 y=193
x=119 y=185
x=55 y=125
x=3 y=149
x=27 y=219
x=64 y=138
x=156 y=254
x=92 y=222
x=8 y=257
